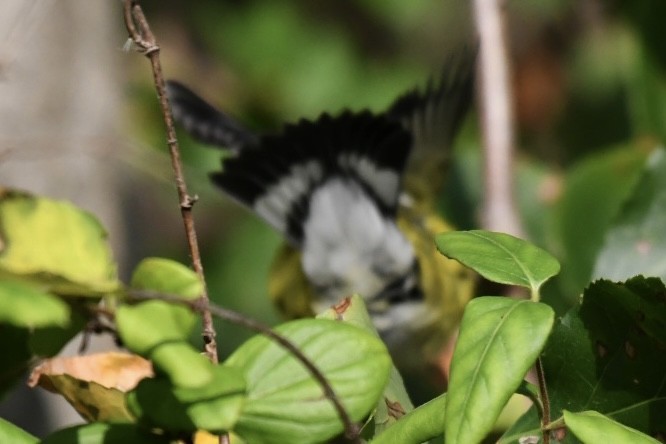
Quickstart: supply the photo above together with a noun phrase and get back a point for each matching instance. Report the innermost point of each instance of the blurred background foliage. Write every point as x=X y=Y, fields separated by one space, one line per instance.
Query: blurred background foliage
x=589 y=82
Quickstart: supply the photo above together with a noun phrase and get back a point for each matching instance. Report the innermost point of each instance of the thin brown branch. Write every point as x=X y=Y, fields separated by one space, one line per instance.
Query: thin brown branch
x=140 y=33
x=499 y=211
x=351 y=429
x=545 y=402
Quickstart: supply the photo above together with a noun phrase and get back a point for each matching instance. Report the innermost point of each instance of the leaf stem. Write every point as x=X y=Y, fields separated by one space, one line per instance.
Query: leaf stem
x=545 y=402
x=535 y=296
x=532 y=392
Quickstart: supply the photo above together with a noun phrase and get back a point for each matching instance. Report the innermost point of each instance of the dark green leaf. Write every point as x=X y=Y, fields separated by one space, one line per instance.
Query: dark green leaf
x=609 y=355
x=285 y=404
x=499 y=257
x=420 y=425
x=16 y=355
x=592 y=427
x=56 y=244
x=635 y=243
x=527 y=426
x=48 y=341
x=500 y=338
x=594 y=191
x=26 y=305
x=214 y=407
x=101 y=433
x=9 y=433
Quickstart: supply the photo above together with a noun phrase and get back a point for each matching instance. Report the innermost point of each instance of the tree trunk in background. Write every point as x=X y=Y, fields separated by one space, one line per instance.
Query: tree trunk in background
x=60 y=92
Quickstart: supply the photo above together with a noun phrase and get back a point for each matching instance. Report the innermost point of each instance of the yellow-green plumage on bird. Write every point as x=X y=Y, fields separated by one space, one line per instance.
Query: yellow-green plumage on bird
x=354 y=197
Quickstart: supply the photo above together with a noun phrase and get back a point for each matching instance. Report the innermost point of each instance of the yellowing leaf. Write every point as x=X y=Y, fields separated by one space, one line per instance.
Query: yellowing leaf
x=56 y=244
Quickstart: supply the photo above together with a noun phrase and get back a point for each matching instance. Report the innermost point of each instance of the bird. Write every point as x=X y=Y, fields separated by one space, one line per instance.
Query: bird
x=354 y=196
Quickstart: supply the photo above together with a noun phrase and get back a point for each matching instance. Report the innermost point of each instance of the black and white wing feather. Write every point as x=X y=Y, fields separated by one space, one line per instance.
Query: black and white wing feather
x=277 y=179
x=205 y=122
x=433 y=117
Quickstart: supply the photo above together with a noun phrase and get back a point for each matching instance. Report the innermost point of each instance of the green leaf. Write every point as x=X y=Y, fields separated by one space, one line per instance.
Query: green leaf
x=418 y=426
x=48 y=341
x=395 y=401
x=102 y=433
x=214 y=407
x=527 y=426
x=592 y=427
x=608 y=355
x=185 y=365
x=500 y=338
x=285 y=403
x=159 y=330
x=55 y=244
x=635 y=243
x=166 y=276
x=25 y=305
x=10 y=433
x=144 y=326
x=499 y=257
x=596 y=188
x=15 y=355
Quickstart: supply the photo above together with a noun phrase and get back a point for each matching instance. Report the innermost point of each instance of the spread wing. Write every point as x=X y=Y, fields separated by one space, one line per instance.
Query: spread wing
x=278 y=178
x=205 y=122
x=433 y=117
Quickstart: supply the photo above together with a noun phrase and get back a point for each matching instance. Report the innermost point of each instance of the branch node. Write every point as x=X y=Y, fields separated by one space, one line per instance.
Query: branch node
x=148 y=50
x=188 y=202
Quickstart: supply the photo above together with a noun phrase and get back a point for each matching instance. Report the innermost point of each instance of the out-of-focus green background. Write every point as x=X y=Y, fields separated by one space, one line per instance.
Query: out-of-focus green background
x=589 y=90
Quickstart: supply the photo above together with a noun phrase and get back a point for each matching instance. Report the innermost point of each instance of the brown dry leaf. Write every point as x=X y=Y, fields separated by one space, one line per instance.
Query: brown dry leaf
x=94 y=385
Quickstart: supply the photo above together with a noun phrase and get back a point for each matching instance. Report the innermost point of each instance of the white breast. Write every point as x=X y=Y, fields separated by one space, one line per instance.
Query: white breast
x=349 y=246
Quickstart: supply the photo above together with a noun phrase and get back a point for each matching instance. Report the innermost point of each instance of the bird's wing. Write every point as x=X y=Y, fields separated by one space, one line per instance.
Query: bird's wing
x=205 y=122
x=277 y=179
x=433 y=117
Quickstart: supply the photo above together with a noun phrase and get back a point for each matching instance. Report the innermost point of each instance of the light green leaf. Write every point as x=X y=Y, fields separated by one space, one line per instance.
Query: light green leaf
x=500 y=339
x=285 y=404
x=159 y=331
x=10 y=433
x=499 y=257
x=166 y=276
x=184 y=364
x=592 y=427
x=55 y=244
x=214 y=407
x=395 y=402
x=102 y=433
x=26 y=305
x=144 y=326
x=418 y=426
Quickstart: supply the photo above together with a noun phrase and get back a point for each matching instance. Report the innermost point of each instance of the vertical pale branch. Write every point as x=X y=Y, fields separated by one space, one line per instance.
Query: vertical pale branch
x=145 y=41
x=499 y=209
x=497 y=124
